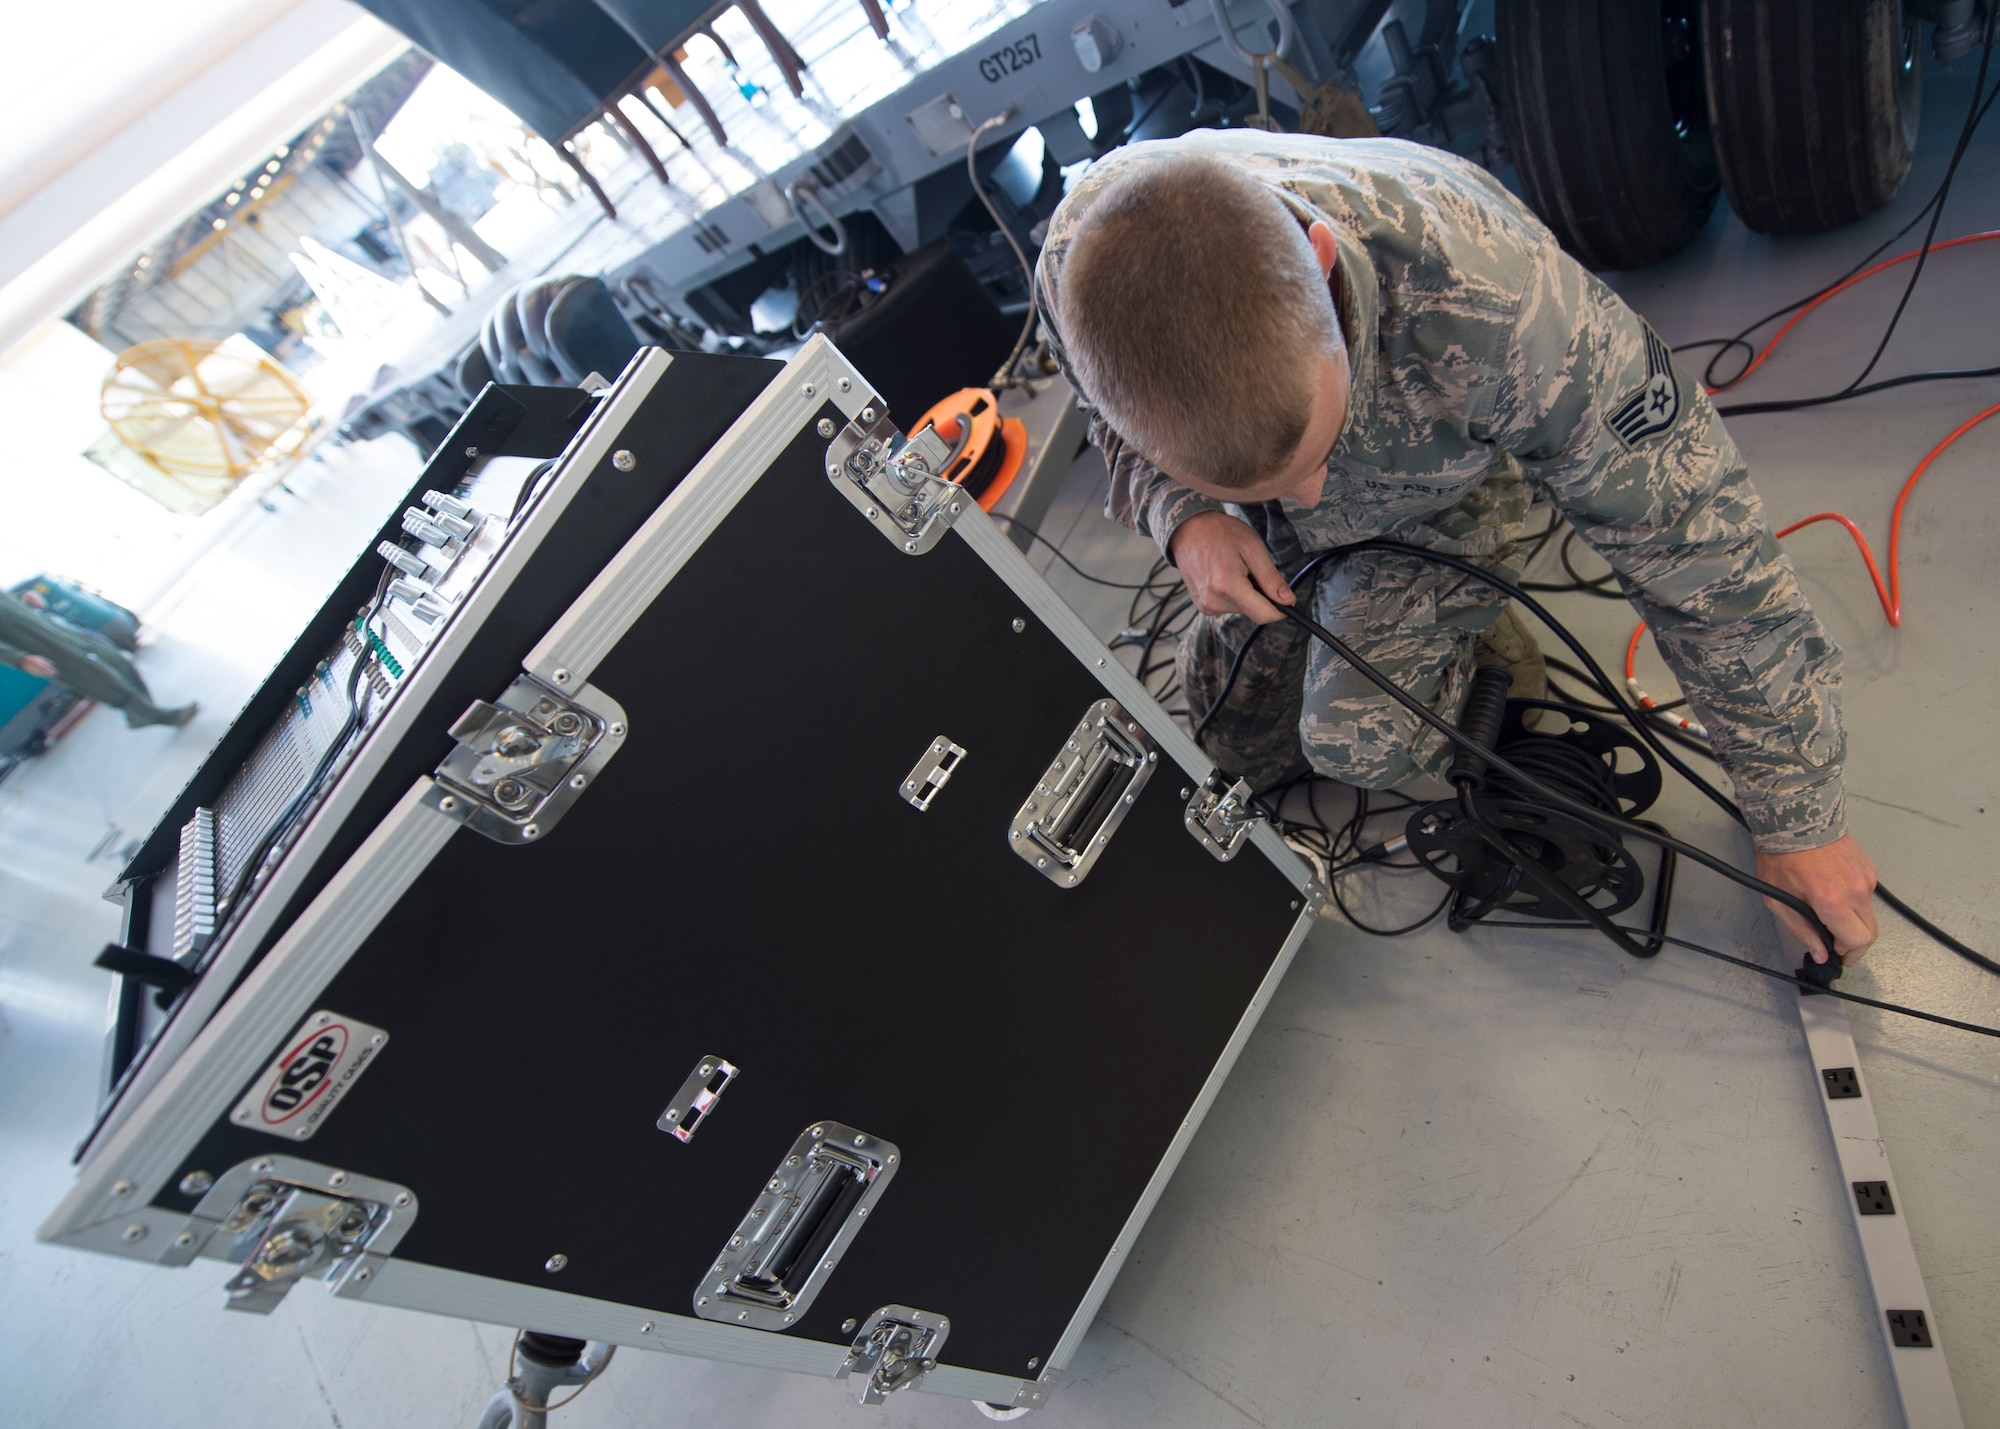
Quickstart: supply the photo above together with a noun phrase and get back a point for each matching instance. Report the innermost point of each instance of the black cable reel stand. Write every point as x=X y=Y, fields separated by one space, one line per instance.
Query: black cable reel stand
x=1501 y=847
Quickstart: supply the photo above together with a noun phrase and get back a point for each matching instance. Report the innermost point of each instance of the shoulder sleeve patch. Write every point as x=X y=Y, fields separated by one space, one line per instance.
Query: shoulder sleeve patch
x=1652 y=409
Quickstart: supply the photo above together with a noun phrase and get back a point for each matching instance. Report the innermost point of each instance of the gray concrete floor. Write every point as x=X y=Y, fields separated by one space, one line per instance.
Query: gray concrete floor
x=1501 y=1179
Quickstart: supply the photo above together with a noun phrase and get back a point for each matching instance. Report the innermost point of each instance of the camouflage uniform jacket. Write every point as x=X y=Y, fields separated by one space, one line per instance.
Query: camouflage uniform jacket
x=1483 y=355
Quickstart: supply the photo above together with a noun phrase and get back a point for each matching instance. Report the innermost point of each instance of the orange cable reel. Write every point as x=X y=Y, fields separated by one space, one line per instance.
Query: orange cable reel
x=987 y=449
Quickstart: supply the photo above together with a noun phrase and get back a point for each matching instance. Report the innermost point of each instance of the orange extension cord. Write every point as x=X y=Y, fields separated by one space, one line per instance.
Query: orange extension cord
x=1890 y=594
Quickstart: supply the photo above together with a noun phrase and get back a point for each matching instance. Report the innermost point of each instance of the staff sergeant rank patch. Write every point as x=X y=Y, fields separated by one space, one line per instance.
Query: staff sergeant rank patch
x=1653 y=407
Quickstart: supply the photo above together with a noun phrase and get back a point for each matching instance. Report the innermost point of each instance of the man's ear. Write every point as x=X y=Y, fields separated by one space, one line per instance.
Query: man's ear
x=1321 y=238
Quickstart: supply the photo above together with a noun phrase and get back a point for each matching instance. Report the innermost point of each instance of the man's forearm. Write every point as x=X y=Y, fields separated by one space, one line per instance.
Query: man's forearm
x=1733 y=626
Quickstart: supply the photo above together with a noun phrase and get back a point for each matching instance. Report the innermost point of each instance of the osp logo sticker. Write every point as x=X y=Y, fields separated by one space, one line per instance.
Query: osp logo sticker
x=313 y=1071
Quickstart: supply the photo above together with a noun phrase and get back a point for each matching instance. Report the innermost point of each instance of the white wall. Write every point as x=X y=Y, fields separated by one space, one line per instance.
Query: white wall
x=104 y=146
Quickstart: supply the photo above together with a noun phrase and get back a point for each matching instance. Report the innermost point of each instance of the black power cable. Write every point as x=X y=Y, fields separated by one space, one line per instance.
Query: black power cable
x=1618 y=934
x=1453 y=734
x=1975 y=114
x=1655 y=734
x=1634 y=716
x=1972 y=117
x=1882 y=891
x=1656 y=738
x=1555 y=798
x=1540 y=926
x=1333 y=891
x=1056 y=550
x=1666 y=730
x=1235 y=669
x=1725 y=344
x=1579 y=756
x=1796 y=404
x=1939 y=934
x=357 y=712
x=1604 y=586
x=1340 y=848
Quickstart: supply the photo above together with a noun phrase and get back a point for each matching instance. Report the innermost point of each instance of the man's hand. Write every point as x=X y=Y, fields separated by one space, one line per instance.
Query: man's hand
x=1227 y=568
x=36 y=665
x=1838 y=880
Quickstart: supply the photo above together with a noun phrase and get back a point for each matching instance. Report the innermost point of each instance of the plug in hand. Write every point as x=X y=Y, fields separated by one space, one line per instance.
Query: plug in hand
x=1838 y=880
x=1228 y=569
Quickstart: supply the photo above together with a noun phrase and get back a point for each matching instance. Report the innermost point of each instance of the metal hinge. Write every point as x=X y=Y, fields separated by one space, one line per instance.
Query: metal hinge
x=284 y=1220
x=521 y=762
x=697 y=1097
x=1221 y=815
x=896 y=1348
x=932 y=773
x=893 y=482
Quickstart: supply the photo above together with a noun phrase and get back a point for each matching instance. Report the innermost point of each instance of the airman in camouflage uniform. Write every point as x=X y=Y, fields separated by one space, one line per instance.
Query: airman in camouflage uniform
x=1488 y=368
x=34 y=639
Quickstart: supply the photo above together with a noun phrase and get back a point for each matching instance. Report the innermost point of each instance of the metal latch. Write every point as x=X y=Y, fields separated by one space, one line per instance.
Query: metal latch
x=521 y=762
x=284 y=1220
x=810 y=1210
x=1221 y=815
x=896 y=1348
x=294 y=1232
x=894 y=482
x=1083 y=796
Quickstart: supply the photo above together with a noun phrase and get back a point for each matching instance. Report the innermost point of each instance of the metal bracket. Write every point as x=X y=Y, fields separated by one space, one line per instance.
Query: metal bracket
x=810 y=1210
x=701 y=1091
x=283 y=1219
x=521 y=762
x=893 y=482
x=1034 y=1393
x=896 y=1348
x=1077 y=805
x=1222 y=815
x=932 y=773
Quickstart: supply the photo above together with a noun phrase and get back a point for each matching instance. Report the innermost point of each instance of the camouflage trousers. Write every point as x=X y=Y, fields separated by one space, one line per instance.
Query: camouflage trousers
x=1296 y=704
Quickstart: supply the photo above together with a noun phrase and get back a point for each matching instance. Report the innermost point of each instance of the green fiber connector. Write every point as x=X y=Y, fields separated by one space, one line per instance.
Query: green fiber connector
x=381 y=649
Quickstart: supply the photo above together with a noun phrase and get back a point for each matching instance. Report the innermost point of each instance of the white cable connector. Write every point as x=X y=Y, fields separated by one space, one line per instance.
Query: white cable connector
x=1647 y=702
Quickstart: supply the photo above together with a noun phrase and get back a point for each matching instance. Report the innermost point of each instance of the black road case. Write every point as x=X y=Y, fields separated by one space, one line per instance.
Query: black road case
x=707 y=805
